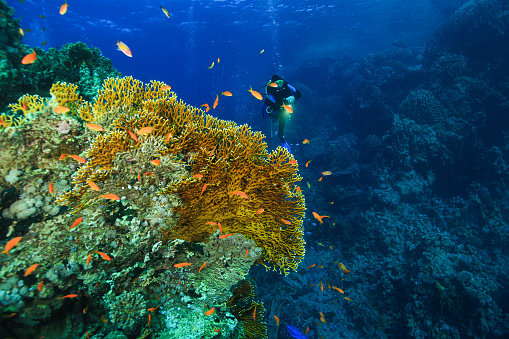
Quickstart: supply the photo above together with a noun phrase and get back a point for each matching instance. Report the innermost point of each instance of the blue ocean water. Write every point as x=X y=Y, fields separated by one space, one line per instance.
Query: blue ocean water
x=401 y=137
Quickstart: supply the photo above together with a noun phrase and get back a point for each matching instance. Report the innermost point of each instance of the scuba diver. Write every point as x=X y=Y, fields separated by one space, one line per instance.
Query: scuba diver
x=277 y=105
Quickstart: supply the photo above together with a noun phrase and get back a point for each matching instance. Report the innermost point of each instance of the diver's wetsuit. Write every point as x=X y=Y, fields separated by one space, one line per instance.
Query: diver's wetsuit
x=273 y=105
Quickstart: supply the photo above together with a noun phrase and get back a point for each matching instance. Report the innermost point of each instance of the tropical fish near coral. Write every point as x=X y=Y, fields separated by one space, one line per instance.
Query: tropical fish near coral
x=50 y=189
x=61 y=109
x=63 y=8
x=306 y=141
x=288 y=108
x=210 y=312
x=255 y=93
x=343 y=268
x=211 y=65
x=10 y=244
x=92 y=185
x=319 y=217
x=338 y=289
x=215 y=102
x=123 y=48
x=29 y=58
x=240 y=193
x=226 y=93
x=166 y=88
x=277 y=320
x=31 y=269
x=76 y=223
x=145 y=130
x=326 y=173
x=225 y=236
x=207 y=108
x=184 y=264
x=94 y=127
x=69 y=296
x=109 y=196
x=104 y=256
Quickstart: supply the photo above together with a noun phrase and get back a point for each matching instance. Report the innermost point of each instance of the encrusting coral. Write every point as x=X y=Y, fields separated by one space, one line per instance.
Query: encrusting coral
x=174 y=171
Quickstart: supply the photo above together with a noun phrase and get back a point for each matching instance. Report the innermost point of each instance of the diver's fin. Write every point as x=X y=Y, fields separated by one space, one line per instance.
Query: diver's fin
x=285 y=145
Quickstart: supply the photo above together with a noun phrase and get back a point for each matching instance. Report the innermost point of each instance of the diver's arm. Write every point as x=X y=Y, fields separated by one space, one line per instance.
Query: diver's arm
x=295 y=92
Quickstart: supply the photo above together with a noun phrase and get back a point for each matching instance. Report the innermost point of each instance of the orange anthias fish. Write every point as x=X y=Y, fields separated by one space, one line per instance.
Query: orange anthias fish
x=343 y=268
x=198 y=176
x=277 y=320
x=215 y=102
x=286 y=221
x=156 y=162
x=109 y=196
x=123 y=48
x=93 y=185
x=10 y=244
x=227 y=93
x=338 y=289
x=273 y=84
x=288 y=108
x=69 y=296
x=61 y=109
x=210 y=312
x=184 y=264
x=346 y=298
x=220 y=228
x=260 y=211
x=306 y=331
x=131 y=134
x=254 y=313
x=319 y=217
x=39 y=286
x=307 y=163
x=76 y=223
x=145 y=130
x=225 y=236
x=153 y=309
x=292 y=162
x=306 y=141
x=326 y=173
x=168 y=136
x=312 y=266
x=77 y=158
x=240 y=193
x=202 y=266
x=320 y=179
x=29 y=58
x=247 y=251
x=207 y=108
x=89 y=257
x=51 y=187
x=165 y=11
x=322 y=318
x=166 y=88
x=212 y=65
x=63 y=8
x=104 y=255
x=31 y=269
x=94 y=127
x=255 y=93
x=321 y=286
x=204 y=188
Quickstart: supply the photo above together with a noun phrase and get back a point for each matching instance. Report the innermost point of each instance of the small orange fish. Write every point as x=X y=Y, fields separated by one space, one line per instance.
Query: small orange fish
x=145 y=130
x=198 y=176
x=77 y=158
x=255 y=93
x=210 y=223
x=220 y=228
x=273 y=84
x=63 y=156
x=217 y=331
x=44 y=43
x=306 y=331
x=319 y=217
x=29 y=58
x=133 y=136
x=182 y=264
x=292 y=162
x=76 y=223
x=104 y=255
x=207 y=108
x=39 y=286
x=51 y=186
x=156 y=162
x=288 y=108
x=21 y=32
x=240 y=193
x=165 y=11
x=3 y=123
x=343 y=268
x=212 y=65
x=212 y=152
x=63 y=8
x=322 y=318
x=224 y=236
x=286 y=221
x=61 y=109
x=203 y=189
x=338 y=289
x=165 y=88
x=331 y=247
x=103 y=319
x=149 y=173
x=88 y=259
x=277 y=320
x=247 y=251
x=109 y=196
x=260 y=211
x=346 y=298
x=320 y=179
x=69 y=296
x=305 y=141
x=218 y=60
x=168 y=136
x=321 y=286
x=88 y=335
x=215 y=102
x=210 y=312
x=153 y=309
x=94 y=127
x=10 y=244
x=328 y=286
x=307 y=163
x=92 y=185
x=139 y=177
x=326 y=173
x=226 y=94
x=298 y=188
x=254 y=313
x=202 y=266
x=149 y=318
x=123 y=48
x=312 y=266
x=31 y=269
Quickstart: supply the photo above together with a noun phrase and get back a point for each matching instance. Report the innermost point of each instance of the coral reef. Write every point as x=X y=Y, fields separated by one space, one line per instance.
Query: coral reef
x=113 y=260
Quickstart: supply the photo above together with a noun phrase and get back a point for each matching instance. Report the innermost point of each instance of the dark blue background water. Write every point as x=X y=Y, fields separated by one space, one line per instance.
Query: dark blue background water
x=179 y=50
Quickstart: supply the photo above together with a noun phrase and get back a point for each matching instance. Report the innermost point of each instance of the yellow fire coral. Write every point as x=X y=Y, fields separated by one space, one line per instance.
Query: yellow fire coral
x=28 y=104
x=221 y=158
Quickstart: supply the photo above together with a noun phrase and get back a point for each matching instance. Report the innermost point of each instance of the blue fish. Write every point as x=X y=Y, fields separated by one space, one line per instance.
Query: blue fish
x=295 y=333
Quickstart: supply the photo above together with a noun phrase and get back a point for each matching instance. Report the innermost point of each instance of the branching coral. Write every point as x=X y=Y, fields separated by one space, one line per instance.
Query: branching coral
x=28 y=104
x=227 y=158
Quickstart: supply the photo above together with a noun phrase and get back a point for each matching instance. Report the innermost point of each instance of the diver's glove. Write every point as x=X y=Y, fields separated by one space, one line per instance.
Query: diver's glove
x=290 y=100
